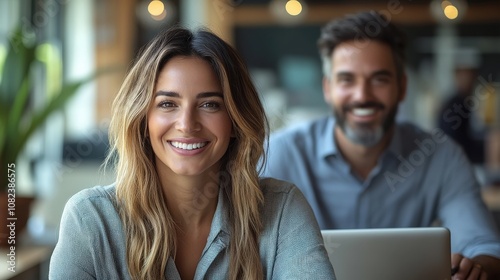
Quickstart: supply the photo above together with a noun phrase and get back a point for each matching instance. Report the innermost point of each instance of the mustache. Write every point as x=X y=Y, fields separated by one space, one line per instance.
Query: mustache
x=369 y=104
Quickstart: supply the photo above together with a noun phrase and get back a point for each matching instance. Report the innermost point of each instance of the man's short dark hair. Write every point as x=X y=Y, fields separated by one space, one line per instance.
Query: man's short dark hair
x=358 y=29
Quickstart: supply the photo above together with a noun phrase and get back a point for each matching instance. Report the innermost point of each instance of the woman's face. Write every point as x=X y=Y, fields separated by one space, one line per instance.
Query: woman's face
x=188 y=124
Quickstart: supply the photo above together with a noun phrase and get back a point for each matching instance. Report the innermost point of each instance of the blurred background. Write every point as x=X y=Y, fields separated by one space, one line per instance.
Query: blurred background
x=451 y=45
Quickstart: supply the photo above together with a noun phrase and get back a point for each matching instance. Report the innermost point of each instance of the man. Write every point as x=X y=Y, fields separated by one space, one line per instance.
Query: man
x=455 y=116
x=359 y=169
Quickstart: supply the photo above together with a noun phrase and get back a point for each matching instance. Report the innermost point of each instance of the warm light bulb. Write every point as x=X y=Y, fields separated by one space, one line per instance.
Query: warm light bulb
x=156 y=8
x=451 y=12
x=293 y=7
x=446 y=11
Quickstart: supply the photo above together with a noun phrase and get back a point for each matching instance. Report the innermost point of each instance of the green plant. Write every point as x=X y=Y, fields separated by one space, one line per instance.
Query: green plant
x=18 y=120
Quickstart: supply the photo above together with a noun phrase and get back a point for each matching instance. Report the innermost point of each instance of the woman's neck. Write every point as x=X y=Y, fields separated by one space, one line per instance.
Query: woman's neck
x=191 y=201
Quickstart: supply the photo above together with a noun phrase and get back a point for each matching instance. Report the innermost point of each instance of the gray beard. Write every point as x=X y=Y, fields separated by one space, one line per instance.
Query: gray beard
x=366 y=136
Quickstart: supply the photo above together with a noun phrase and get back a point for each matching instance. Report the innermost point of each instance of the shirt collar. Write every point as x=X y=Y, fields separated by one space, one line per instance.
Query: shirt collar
x=220 y=220
x=395 y=146
x=328 y=147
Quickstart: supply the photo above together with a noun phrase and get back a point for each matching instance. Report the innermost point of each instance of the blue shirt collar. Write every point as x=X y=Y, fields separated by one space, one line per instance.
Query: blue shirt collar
x=328 y=147
x=395 y=146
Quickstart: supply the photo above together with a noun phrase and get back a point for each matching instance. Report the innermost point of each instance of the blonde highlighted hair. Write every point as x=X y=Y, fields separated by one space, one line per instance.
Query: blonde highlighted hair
x=149 y=228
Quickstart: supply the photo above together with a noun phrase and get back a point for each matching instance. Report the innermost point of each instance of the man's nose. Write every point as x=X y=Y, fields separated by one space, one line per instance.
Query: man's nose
x=362 y=92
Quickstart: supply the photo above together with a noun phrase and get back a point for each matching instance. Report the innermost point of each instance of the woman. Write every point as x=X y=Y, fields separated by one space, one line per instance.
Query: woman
x=188 y=130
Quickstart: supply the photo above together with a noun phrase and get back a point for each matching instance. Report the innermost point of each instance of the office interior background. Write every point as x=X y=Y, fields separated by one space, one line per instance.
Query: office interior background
x=277 y=39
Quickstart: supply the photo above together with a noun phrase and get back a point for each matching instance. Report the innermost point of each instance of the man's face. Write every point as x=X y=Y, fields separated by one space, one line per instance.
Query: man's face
x=364 y=91
x=465 y=79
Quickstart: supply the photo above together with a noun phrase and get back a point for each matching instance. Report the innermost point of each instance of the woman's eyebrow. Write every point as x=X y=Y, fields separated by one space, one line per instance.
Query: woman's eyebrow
x=199 y=95
x=167 y=93
x=210 y=94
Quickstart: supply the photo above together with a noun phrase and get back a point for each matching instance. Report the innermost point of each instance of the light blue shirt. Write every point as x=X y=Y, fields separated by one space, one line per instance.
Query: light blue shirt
x=421 y=178
x=92 y=244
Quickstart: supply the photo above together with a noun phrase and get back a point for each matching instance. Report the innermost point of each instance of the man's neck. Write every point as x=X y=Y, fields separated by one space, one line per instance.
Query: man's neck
x=362 y=159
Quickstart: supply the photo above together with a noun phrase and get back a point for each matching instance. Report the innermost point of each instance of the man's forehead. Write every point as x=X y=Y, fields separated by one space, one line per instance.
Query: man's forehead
x=370 y=56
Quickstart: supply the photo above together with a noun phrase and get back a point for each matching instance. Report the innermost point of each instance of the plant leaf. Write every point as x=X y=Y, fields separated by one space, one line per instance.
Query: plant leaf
x=17 y=65
x=14 y=114
x=37 y=119
x=3 y=124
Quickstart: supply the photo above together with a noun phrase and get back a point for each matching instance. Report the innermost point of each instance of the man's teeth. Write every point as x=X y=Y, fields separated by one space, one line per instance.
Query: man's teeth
x=363 y=111
x=190 y=146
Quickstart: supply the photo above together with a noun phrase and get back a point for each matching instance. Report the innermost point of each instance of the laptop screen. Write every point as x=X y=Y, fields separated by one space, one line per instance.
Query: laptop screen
x=389 y=254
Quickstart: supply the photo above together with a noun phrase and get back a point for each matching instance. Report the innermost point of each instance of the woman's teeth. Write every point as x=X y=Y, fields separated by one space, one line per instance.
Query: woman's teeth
x=190 y=146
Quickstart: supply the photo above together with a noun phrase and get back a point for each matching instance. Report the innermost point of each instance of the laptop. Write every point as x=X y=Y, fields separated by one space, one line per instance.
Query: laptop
x=389 y=254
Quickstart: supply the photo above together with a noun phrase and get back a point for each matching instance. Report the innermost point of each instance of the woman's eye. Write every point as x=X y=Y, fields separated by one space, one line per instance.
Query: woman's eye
x=166 y=104
x=211 y=105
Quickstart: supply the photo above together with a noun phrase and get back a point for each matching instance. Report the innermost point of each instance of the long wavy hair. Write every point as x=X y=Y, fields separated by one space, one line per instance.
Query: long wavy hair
x=149 y=228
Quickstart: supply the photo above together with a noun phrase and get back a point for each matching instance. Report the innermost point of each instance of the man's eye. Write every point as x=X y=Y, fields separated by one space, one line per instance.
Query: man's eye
x=381 y=80
x=345 y=79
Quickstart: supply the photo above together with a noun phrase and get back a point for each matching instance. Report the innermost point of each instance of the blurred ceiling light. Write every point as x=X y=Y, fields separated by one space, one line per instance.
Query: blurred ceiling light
x=293 y=7
x=153 y=15
x=288 y=11
x=156 y=8
x=451 y=12
x=448 y=11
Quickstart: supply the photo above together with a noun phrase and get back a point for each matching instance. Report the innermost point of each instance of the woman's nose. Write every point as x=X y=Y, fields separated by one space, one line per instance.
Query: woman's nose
x=187 y=121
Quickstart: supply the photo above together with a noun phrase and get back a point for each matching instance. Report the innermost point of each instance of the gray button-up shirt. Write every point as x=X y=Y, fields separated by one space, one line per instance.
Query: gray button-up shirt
x=91 y=242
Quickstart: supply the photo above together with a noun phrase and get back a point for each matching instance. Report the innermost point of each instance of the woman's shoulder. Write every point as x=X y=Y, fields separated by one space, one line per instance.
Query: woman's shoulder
x=93 y=193
x=100 y=198
x=272 y=185
x=280 y=192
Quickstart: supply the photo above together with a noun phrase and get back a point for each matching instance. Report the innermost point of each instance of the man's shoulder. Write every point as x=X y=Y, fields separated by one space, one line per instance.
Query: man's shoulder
x=414 y=137
x=410 y=129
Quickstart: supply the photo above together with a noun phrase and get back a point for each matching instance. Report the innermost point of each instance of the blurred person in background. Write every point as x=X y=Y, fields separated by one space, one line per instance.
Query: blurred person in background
x=359 y=168
x=456 y=116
